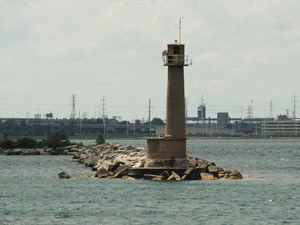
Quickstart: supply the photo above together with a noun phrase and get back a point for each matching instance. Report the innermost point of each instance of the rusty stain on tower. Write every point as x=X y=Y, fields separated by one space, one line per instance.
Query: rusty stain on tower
x=170 y=150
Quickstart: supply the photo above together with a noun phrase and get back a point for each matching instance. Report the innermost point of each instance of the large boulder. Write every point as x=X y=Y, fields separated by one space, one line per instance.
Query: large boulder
x=115 y=166
x=191 y=174
x=192 y=162
x=150 y=176
x=31 y=152
x=103 y=165
x=91 y=161
x=235 y=174
x=121 y=171
x=14 y=152
x=207 y=176
x=159 y=178
x=174 y=176
x=43 y=152
x=64 y=175
x=104 y=174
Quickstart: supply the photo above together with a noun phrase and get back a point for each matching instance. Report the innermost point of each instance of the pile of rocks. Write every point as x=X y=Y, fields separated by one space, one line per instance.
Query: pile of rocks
x=38 y=151
x=115 y=161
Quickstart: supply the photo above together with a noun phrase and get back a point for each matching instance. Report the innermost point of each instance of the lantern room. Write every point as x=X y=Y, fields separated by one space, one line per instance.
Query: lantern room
x=174 y=56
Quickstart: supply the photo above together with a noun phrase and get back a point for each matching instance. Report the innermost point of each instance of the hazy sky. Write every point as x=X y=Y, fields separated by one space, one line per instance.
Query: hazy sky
x=241 y=51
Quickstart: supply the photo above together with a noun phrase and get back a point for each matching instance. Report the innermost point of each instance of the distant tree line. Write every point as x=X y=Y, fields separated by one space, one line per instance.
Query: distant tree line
x=39 y=127
x=56 y=139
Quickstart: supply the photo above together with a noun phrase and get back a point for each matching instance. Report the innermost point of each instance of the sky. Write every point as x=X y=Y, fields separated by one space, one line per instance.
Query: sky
x=243 y=52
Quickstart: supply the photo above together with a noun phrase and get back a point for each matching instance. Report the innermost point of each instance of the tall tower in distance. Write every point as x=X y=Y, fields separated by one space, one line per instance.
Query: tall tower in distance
x=170 y=149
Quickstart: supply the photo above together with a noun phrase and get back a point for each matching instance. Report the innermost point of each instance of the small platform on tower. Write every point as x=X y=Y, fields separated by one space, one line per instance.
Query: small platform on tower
x=174 y=56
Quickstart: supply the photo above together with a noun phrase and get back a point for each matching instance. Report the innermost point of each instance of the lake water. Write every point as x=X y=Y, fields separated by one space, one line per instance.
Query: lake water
x=31 y=193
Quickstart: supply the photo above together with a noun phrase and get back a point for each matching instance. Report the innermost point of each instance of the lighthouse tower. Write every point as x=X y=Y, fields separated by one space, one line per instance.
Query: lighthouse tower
x=170 y=150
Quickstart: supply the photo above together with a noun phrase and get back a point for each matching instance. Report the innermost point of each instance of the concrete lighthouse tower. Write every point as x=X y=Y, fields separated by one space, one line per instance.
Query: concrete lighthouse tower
x=170 y=150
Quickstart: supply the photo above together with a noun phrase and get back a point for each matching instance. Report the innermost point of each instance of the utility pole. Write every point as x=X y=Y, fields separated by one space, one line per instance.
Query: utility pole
x=294 y=103
x=103 y=114
x=294 y=113
x=79 y=122
x=271 y=109
x=73 y=113
x=150 y=116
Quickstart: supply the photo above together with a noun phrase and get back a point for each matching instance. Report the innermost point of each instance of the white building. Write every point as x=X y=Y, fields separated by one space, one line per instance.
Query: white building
x=280 y=127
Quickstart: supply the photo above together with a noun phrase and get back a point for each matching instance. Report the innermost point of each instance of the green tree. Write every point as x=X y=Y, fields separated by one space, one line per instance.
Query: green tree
x=100 y=139
x=57 y=139
x=26 y=142
x=157 y=121
x=6 y=142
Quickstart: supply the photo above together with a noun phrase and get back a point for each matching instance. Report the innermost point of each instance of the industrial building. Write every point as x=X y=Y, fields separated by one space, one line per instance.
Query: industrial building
x=280 y=127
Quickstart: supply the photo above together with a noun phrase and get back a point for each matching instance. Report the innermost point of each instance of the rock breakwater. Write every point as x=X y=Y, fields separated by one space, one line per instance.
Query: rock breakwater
x=116 y=161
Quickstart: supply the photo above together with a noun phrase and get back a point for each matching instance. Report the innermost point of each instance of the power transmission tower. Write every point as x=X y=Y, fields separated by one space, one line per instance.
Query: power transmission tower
x=251 y=108
x=80 y=128
x=73 y=113
x=203 y=108
x=249 y=111
x=295 y=105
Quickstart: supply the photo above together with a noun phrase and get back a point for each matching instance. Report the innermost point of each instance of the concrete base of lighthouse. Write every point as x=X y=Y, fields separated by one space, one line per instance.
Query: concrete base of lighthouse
x=166 y=152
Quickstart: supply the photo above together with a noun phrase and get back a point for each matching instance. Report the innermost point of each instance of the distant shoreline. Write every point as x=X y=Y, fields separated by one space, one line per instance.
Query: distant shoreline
x=217 y=138
x=94 y=137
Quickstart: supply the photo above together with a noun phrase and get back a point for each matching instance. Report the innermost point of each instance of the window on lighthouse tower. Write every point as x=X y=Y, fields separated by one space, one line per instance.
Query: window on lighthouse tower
x=176 y=49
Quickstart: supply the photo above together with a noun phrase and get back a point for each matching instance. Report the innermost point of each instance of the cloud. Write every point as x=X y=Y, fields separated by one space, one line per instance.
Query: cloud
x=239 y=71
x=207 y=57
x=14 y=88
x=295 y=48
x=216 y=85
x=6 y=60
x=261 y=56
x=114 y=41
x=124 y=55
x=111 y=14
x=294 y=32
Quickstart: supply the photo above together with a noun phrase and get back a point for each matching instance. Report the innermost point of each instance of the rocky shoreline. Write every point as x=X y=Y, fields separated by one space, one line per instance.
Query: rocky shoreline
x=115 y=161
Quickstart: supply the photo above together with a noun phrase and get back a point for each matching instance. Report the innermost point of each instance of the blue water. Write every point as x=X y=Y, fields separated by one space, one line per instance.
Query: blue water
x=31 y=193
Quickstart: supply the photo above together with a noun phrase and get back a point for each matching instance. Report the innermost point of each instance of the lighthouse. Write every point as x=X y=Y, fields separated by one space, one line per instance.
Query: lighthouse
x=170 y=150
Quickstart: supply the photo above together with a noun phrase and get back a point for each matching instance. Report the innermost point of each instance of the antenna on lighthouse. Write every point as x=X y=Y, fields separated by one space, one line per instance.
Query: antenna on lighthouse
x=180 y=28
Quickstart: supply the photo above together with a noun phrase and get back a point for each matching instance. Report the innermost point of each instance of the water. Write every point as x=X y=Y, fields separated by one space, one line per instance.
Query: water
x=31 y=193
